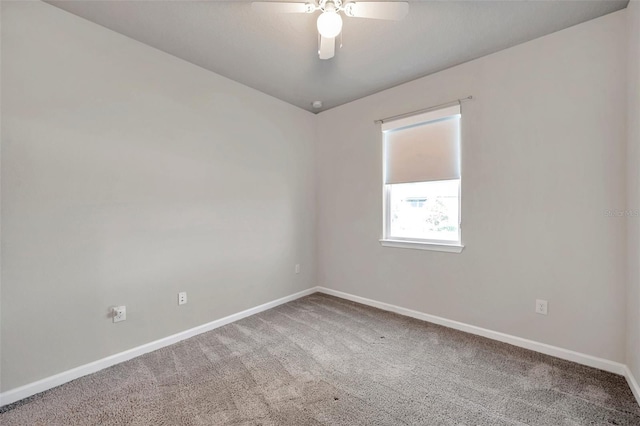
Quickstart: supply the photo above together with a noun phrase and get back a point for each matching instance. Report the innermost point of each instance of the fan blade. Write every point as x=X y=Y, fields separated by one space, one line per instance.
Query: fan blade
x=392 y=11
x=327 y=47
x=279 y=7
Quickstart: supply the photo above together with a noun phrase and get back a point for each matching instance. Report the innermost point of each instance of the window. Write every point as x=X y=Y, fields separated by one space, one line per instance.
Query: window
x=422 y=181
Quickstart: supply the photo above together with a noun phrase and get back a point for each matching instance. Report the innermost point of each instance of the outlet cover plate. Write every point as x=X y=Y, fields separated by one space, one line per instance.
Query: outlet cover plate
x=119 y=313
x=542 y=307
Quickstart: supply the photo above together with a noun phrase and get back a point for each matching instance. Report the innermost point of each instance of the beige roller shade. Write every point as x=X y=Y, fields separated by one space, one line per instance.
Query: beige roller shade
x=424 y=147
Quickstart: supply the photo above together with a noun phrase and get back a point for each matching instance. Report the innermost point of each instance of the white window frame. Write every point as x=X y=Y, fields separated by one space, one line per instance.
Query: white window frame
x=417 y=243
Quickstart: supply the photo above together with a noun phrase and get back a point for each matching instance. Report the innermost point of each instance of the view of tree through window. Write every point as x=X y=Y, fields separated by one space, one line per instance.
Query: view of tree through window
x=425 y=210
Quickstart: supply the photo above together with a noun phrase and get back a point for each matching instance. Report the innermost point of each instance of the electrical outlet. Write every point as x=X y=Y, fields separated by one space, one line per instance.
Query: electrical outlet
x=119 y=313
x=182 y=298
x=541 y=307
x=297 y=269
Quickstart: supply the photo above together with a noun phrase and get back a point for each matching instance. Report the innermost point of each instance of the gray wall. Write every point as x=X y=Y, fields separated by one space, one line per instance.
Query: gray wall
x=129 y=175
x=633 y=190
x=543 y=157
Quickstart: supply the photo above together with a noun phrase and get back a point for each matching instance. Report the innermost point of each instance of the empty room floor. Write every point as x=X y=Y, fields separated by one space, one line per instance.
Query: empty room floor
x=321 y=360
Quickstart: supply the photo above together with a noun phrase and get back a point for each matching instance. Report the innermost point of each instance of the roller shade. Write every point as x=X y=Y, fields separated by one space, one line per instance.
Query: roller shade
x=424 y=147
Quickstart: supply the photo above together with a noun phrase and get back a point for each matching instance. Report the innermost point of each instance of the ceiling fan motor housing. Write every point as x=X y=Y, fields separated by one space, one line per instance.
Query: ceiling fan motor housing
x=330 y=5
x=335 y=6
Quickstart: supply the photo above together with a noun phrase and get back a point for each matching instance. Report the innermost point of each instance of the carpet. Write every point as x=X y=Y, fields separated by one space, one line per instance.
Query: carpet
x=321 y=360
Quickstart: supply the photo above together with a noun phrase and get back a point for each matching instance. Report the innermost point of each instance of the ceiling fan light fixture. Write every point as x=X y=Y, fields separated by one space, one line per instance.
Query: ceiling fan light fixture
x=329 y=24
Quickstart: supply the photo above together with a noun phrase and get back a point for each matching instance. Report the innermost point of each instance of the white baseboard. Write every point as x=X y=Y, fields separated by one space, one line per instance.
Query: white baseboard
x=566 y=354
x=633 y=383
x=25 y=391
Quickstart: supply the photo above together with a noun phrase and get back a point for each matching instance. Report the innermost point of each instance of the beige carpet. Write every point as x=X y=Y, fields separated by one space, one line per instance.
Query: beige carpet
x=324 y=360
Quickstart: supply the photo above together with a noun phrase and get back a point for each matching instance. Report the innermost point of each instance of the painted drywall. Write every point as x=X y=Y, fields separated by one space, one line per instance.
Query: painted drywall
x=633 y=189
x=129 y=175
x=543 y=159
x=0 y=200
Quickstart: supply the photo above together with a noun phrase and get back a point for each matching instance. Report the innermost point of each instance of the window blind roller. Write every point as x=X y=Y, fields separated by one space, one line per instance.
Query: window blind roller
x=424 y=147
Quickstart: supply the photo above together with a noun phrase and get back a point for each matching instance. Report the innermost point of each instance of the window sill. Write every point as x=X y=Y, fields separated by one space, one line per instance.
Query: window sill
x=450 y=248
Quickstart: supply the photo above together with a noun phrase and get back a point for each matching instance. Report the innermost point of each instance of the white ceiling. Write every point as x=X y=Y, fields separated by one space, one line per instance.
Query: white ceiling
x=277 y=53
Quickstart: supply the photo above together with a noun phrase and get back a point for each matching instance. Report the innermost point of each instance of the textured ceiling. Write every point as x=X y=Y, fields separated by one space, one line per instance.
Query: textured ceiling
x=277 y=53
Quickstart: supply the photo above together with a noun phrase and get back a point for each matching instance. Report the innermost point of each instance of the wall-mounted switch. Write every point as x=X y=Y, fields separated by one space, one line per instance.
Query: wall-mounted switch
x=297 y=268
x=182 y=298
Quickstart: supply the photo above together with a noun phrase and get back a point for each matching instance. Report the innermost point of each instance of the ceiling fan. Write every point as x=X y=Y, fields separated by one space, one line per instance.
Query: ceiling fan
x=330 y=21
